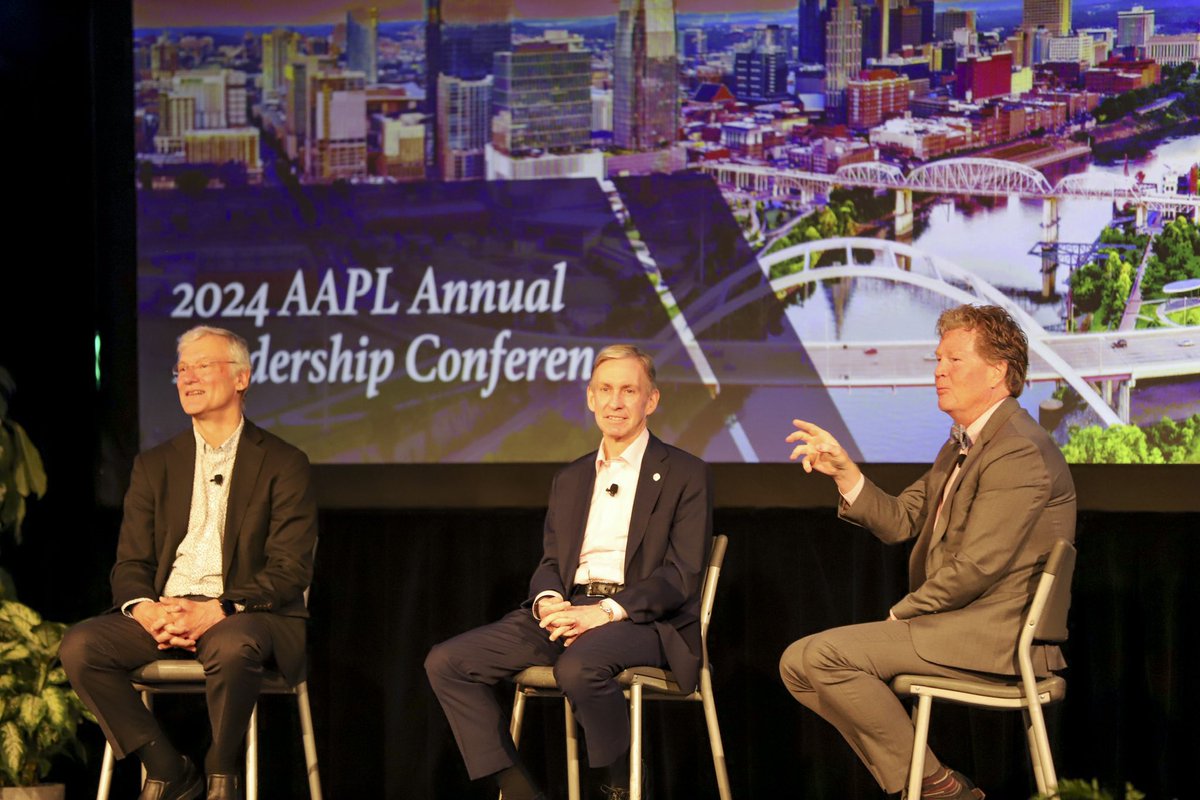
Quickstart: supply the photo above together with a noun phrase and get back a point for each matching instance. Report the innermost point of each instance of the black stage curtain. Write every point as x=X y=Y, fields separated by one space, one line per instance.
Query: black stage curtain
x=391 y=584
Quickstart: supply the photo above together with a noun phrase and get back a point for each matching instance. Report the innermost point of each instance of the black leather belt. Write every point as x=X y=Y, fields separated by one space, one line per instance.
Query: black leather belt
x=600 y=588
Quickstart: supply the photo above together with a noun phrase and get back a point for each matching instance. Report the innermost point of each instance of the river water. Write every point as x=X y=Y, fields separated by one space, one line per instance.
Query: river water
x=992 y=239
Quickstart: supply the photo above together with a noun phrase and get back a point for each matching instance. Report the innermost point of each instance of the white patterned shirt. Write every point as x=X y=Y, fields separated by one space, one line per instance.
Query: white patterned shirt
x=198 y=566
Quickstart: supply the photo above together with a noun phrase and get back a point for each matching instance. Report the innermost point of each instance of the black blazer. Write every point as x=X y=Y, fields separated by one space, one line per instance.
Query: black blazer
x=270 y=527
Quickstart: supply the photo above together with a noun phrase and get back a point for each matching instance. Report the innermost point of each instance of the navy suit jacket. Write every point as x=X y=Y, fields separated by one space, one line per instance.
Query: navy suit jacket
x=670 y=531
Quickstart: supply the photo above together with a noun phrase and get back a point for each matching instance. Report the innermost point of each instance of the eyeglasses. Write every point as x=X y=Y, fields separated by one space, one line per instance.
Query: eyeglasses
x=201 y=369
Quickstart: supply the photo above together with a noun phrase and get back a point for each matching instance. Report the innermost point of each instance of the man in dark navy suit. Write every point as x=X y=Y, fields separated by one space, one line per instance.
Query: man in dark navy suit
x=626 y=536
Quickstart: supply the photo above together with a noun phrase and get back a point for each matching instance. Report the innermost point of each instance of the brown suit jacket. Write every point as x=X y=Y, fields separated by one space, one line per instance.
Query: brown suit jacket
x=670 y=531
x=270 y=528
x=970 y=575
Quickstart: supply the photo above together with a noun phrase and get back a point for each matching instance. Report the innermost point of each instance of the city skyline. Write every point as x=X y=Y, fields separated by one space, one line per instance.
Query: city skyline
x=180 y=13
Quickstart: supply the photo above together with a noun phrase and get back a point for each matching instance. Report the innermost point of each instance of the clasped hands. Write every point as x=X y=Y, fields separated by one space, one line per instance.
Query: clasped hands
x=177 y=621
x=566 y=621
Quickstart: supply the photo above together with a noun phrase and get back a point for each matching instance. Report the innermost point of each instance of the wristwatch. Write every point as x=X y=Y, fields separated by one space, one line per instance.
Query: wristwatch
x=229 y=608
x=606 y=607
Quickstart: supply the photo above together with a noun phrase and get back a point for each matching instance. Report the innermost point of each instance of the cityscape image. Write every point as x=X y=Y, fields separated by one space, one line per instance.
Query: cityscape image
x=427 y=216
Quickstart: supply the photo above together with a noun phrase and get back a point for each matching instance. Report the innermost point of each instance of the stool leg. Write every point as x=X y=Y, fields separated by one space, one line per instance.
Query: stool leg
x=309 y=739
x=573 y=792
x=920 y=738
x=635 y=741
x=106 y=773
x=252 y=755
x=714 y=734
x=148 y=702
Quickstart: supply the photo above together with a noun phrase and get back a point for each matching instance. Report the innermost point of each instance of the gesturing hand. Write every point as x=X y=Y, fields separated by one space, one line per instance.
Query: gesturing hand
x=820 y=451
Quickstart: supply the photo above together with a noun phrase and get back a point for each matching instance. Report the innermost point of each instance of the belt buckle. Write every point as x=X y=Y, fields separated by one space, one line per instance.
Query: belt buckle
x=601 y=589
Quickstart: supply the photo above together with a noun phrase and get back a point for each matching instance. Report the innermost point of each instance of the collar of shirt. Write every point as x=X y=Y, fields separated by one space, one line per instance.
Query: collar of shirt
x=632 y=455
x=976 y=427
x=227 y=446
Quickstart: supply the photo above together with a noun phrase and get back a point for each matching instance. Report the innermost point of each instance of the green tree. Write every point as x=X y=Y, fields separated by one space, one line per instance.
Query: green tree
x=1119 y=444
x=1116 y=285
x=1087 y=284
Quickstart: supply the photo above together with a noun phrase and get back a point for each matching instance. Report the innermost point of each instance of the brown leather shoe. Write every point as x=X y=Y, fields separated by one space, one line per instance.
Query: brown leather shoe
x=224 y=787
x=188 y=786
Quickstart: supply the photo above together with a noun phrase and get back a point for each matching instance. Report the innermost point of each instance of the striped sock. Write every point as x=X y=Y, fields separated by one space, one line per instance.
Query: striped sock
x=940 y=784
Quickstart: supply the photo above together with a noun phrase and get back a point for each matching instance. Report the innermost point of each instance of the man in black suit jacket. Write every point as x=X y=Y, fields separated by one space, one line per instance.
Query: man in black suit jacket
x=214 y=556
x=625 y=540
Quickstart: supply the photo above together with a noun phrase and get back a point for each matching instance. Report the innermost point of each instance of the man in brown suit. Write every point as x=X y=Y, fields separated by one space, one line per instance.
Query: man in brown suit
x=998 y=495
x=213 y=558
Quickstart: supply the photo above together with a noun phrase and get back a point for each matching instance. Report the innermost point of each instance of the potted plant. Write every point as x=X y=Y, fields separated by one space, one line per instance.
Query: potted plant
x=1075 y=789
x=39 y=712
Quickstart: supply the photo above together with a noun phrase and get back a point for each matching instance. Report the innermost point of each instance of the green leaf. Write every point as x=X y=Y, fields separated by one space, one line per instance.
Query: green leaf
x=13 y=652
x=20 y=616
x=32 y=712
x=59 y=706
x=12 y=751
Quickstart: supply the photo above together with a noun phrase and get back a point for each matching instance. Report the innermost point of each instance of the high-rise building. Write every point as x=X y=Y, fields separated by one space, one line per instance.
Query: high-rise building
x=298 y=77
x=1054 y=15
x=542 y=98
x=462 y=38
x=645 y=79
x=164 y=57
x=843 y=55
x=948 y=21
x=695 y=42
x=1039 y=46
x=1078 y=48
x=362 y=42
x=877 y=96
x=220 y=96
x=398 y=146
x=874 y=33
x=280 y=47
x=335 y=138
x=229 y=145
x=810 y=31
x=905 y=27
x=760 y=74
x=1135 y=27
x=982 y=77
x=463 y=125
x=1174 y=50
x=928 y=15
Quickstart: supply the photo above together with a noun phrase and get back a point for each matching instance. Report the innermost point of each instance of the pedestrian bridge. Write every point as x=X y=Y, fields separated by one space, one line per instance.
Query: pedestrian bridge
x=1077 y=358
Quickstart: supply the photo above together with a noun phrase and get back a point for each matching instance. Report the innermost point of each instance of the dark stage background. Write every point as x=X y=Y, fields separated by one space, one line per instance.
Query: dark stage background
x=443 y=551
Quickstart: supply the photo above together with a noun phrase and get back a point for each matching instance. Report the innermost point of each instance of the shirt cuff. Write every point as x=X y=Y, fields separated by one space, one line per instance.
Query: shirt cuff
x=129 y=604
x=618 y=612
x=853 y=494
x=538 y=599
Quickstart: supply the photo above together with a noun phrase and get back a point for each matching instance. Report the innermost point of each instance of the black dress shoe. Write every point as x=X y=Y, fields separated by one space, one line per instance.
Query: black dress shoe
x=224 y=787
x=188 y=786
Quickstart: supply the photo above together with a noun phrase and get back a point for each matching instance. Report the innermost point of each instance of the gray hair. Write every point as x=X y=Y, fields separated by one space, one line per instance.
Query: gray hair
x=616 y=351
x=239 y=351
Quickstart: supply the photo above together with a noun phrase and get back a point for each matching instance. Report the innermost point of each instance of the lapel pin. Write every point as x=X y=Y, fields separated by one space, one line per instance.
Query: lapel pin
x=657 y=476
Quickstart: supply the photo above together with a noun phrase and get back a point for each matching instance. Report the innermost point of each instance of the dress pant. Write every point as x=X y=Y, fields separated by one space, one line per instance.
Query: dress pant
x=843 y=673
x=99 y=653
x=463 y=670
